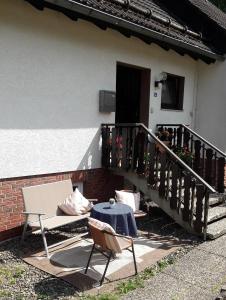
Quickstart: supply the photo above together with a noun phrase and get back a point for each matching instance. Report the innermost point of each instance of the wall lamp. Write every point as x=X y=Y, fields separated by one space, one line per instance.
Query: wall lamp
x=162 y=78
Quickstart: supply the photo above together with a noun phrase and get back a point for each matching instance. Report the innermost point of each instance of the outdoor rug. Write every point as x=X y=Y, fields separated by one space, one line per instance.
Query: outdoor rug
x=68 y=260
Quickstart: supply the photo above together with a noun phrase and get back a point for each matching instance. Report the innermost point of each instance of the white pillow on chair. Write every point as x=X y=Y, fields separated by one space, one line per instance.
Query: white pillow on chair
x=130 y=198
x=112 y=241
x=76 y=204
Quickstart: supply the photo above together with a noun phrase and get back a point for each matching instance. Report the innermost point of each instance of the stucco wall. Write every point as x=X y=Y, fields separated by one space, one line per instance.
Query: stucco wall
x=51 y=72
x=211 y=103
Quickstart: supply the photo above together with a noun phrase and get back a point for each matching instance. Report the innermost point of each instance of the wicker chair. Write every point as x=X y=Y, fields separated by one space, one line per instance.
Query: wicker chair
x=108 y=243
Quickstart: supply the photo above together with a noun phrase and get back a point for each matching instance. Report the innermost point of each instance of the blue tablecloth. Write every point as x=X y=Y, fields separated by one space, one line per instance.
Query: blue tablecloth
x=120 y=217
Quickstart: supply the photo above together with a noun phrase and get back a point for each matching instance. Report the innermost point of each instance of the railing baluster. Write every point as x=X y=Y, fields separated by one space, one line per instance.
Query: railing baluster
x=157 y=169
x=113 y=149
x=106 y=147
x=141 y=145
x=117 y=150
x=168 y=179
x=196 y=162
x=192 y=201
x=220 y=174
x=174 y=137
x=215 y=170
x=162 y=186
x=187 y=198
x=173 y=200
x=130 y=149
x=152 y=156
x=179 y=136
x=134 y=149
x=186 y=138
x=206 y=210
x=124 y=148
x=180 y=179
x=198 y=224
x=208 y=166
x=192 y=144
x=203 y=168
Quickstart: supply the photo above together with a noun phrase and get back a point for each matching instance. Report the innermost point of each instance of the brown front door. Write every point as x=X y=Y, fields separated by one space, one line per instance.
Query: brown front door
x=132 y=94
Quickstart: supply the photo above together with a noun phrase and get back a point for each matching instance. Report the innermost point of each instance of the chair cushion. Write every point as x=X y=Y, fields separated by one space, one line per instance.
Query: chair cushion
x=76 y=204
x=112 y=241
x=130 y=198
x=101 y=225
x=57 y=221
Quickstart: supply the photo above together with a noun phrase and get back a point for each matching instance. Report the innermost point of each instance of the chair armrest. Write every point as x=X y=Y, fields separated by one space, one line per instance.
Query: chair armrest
x=139 y=214
x=33 y=213
x=92 y=200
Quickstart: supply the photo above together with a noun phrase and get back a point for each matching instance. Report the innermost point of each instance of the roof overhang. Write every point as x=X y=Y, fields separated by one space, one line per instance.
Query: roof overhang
x=135 y=29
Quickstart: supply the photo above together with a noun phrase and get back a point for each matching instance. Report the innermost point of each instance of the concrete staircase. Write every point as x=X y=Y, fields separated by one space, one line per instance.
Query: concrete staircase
x=216 y=216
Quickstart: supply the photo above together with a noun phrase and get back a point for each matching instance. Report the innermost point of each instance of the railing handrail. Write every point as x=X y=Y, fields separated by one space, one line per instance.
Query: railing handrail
x=198 y=136
x=210 y=188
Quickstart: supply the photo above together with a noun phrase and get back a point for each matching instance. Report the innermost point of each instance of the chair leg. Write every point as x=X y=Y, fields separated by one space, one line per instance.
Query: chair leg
x=134 y=259
x=44 y=237
x=24 y=229
x=109 y=258
x=90 y=256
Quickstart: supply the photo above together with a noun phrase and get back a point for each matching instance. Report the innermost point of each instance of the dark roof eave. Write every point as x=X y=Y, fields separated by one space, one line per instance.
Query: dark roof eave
x=121 y=23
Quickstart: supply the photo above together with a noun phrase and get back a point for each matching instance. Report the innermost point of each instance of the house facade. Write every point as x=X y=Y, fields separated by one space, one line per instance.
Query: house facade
x=211 y=105
x=55 y=60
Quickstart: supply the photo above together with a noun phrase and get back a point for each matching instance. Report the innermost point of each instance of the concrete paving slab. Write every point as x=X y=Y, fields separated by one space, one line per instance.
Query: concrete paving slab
x=166 y=287
x=216 y=229
x=200 y=274
x=200 y=268
x=217 y=246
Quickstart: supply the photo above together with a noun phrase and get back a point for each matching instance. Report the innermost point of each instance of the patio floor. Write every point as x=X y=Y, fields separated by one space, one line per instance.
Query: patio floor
x=68 y=260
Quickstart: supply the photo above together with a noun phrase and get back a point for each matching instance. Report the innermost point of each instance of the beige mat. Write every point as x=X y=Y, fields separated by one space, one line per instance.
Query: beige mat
x=68 y=261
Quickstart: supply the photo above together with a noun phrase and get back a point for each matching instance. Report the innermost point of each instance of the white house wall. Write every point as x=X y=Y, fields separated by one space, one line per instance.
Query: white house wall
x=211 y=103
x=51 y=71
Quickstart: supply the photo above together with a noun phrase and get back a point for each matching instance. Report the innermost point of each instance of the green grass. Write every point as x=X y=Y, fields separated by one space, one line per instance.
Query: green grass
x=9 y=276
x=105 y=296
x=130 y=285
x=4 y=293
x=42 y=296
x=11 y=273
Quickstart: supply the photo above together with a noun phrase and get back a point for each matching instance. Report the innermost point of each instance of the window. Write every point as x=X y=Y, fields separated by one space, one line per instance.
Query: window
x=173 y=92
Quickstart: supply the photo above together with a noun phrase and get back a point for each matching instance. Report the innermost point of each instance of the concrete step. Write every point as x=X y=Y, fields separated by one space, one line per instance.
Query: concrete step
x=216 y=229
x=213 y=200
x=217 y=212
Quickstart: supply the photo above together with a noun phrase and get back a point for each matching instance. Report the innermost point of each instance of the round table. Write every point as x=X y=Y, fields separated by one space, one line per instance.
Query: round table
x=120 y=217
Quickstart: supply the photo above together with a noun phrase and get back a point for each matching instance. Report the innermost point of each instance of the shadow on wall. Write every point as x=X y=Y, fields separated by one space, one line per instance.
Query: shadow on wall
x=92 y=154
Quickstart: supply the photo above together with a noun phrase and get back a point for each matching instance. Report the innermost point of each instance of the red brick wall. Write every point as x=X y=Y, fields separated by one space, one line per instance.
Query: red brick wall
x=98 y=184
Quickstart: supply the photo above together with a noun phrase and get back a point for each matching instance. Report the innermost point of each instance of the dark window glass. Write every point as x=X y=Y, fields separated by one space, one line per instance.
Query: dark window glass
x=173 y=92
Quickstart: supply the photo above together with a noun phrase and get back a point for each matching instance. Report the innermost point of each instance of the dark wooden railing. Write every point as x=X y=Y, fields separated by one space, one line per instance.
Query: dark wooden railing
x=206 y=159
x=132 y=147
